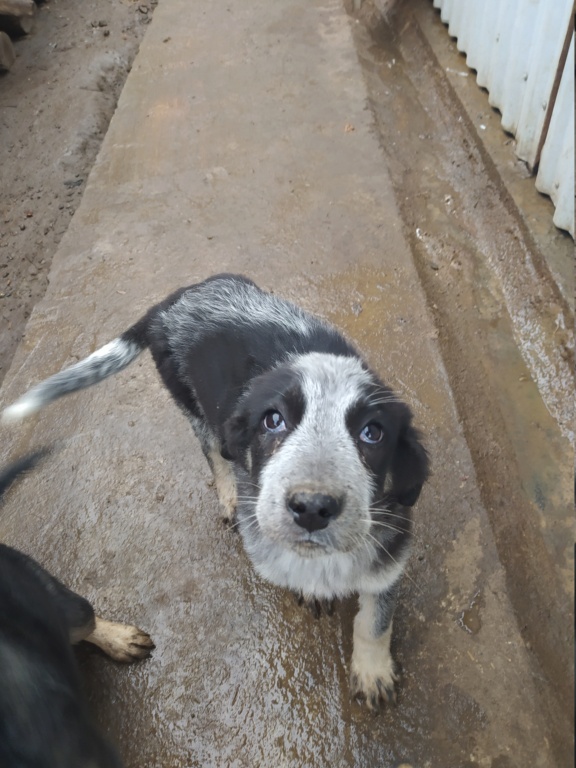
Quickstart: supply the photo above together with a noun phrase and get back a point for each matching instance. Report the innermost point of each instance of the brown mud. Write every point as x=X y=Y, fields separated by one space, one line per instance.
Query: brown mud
x=55 y=106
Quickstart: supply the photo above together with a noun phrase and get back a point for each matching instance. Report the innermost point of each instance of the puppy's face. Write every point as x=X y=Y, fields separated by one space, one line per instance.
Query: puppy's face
x=327 y=446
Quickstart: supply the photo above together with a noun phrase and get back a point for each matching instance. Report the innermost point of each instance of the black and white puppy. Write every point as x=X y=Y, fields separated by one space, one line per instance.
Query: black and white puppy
x=44 y=719
x=315 y=456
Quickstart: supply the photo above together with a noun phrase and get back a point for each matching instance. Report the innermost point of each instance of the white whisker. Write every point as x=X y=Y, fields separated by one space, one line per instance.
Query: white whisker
x=379 y=510
x=243 y=520
x=251 y=525
x=379 y=544
x=387 y=526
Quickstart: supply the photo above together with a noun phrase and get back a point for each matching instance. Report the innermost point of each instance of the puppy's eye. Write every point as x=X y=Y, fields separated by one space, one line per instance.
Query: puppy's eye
x=274 y=422
x=372 y=433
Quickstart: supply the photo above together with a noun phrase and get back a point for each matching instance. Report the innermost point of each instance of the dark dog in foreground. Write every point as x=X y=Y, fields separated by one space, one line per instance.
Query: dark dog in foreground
x=44 y=720
x=313 y=454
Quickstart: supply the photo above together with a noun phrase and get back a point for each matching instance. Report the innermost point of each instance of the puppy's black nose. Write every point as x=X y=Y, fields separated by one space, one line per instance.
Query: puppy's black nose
x=313 y=511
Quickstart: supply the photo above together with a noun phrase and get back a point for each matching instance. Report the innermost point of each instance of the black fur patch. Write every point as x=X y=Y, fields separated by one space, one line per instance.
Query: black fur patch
x=44 y=720
x=279 y=390
x=216 y=367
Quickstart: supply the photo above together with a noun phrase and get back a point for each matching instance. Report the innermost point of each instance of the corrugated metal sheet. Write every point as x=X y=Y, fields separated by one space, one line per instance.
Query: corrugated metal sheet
x=556 y=170
x=517 y=47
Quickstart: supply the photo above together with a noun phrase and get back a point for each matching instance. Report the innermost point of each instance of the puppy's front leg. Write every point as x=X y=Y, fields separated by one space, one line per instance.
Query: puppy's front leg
x=222 y=470
x=373 y=674
x=225 y=482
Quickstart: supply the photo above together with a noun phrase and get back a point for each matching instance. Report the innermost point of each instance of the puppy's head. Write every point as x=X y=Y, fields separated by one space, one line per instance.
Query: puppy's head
x=329 y=447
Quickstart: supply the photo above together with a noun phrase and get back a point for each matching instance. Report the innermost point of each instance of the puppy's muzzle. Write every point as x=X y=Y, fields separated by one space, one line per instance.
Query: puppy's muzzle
x=313 y=511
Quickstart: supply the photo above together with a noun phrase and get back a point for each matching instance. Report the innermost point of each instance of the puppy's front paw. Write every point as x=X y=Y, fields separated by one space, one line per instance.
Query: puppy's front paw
x=373 y=678
x=122 y=642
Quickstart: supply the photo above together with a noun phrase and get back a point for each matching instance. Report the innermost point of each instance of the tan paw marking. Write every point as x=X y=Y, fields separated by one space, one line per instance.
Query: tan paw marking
x=122 y=642
x=225 y=482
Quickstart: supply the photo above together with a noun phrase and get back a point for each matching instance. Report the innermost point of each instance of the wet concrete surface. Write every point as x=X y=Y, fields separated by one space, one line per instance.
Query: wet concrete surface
x=243 y=142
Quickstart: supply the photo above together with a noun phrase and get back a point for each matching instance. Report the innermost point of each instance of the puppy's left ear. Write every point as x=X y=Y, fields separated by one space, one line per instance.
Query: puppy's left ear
x=410 y=467
x=235 y=436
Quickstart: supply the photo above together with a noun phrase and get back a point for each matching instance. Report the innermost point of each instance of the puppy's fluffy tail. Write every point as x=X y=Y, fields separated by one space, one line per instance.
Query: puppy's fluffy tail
x=12 y=471
x=106 y=361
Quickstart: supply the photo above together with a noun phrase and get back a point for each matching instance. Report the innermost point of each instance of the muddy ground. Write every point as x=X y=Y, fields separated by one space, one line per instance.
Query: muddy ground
x=55 y=106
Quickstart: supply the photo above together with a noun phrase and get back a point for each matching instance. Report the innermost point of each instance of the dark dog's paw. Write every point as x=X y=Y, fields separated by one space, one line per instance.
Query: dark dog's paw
x=315 y=606
x=374 y=681
x=122 y=642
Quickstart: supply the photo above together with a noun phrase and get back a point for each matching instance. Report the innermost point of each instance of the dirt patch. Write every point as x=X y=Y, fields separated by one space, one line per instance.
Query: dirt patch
x=55 y=106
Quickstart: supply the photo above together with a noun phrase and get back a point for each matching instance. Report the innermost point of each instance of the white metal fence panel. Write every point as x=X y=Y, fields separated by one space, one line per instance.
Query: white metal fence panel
x=516 y=47
x=556 y=169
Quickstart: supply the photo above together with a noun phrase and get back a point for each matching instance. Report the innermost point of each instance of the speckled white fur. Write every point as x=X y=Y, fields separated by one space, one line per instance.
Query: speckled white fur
x=104 y=362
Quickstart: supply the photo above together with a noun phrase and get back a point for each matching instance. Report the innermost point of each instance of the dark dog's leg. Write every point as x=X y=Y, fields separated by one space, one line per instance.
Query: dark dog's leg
x=79 y=614
x=374 y=674
x=77 y=611
x=122 y=642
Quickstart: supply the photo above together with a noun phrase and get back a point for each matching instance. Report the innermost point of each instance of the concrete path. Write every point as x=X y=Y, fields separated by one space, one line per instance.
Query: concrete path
x=242 y=142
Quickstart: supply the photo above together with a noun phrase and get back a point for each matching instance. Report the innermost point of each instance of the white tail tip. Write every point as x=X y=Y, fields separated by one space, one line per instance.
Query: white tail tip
x=20 y=410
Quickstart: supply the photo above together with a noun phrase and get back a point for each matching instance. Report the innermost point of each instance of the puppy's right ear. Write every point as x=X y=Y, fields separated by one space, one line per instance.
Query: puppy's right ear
x=410 y=468
x=235 y=436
